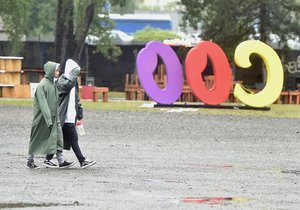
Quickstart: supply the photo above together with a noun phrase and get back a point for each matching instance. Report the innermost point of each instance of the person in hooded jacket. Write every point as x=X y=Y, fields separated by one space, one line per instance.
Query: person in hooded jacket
x=46 y=132
x=70 y=111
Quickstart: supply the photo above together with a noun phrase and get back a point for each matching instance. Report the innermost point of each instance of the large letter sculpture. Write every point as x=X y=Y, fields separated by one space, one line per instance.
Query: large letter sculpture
x=196 y=62
x=146 y=65
x=274 y=81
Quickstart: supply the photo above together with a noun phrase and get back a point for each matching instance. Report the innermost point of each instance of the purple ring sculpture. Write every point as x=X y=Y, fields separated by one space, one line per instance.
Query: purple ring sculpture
x=146 y=65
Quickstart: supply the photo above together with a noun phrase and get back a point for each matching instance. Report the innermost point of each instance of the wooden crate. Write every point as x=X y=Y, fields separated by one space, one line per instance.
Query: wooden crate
x=19 y=91
x=10 y=78
x=10 y=63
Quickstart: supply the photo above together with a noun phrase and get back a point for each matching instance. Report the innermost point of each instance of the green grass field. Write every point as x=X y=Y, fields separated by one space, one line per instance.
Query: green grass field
x=117 y=102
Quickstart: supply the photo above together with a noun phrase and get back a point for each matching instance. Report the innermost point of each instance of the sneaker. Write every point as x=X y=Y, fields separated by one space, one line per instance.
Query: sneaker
x=66 y=164
x=49 y=164
x=31 y=165
x=87 y=163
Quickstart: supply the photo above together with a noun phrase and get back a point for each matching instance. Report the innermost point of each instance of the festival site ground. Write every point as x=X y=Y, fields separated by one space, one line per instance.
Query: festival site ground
x=159 y=159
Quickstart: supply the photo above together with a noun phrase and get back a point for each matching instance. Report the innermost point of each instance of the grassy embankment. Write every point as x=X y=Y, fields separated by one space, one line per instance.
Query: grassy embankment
x=117 y=102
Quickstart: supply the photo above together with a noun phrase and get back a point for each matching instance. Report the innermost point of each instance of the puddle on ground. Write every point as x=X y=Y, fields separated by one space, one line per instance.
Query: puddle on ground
x=162 y=181
x=290 y=172
x=212 y=166
x=213 y=200
x=27 y=205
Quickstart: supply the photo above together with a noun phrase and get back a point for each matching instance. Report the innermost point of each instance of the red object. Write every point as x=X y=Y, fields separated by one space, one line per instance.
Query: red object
x=213 y=200
x=196 y=61
x=87 y=92
x=103 y=90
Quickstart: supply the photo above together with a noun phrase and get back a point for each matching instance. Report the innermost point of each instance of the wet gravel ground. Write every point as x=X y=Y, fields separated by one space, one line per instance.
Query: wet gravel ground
x=149 y=160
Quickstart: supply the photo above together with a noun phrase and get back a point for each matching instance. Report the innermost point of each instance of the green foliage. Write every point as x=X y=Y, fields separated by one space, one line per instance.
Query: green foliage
x=37 y=18
x=80 y=9
x=101 y=29
x=169 y=6
x=14 y=15
x=42 y=19
x=101 y=25
x=123 y=7
x=148 y=34
x=229 y=22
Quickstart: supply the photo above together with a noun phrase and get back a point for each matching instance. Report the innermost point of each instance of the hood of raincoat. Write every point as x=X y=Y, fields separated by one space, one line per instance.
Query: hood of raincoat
x=49 y=69
x=70 y=65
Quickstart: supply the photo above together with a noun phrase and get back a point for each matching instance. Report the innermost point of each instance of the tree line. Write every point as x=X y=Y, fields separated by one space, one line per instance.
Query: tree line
x=226 y=22
x=69 y=21
x=229 y=22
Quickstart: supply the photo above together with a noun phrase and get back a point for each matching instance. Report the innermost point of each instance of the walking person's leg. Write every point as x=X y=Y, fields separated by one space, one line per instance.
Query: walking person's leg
x=30 y=162
x=48 y=163
x=69 y=131
x=30 y=158
x=60 y=159
x=49 y=156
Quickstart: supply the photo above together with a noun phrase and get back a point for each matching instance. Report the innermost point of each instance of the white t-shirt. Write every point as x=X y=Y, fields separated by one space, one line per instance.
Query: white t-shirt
x=71 y=112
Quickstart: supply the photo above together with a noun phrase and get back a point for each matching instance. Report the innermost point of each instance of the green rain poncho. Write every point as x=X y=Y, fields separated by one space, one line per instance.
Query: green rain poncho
x=46 y=134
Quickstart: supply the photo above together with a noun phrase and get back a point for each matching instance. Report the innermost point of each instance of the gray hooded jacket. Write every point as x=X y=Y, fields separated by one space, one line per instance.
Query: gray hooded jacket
x=64 y=84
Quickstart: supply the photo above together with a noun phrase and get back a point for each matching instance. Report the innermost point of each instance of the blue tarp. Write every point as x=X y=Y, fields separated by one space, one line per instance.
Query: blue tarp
x=130 y=23
x=131 y=26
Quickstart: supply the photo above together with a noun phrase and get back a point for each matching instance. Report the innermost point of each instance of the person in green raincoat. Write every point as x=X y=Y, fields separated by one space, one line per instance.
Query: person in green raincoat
x=70 y=111
x=46 y=132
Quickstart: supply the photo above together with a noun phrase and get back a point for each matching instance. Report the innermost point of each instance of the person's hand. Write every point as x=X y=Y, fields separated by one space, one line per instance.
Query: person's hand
x=79 y=113
x=79 y=116
x=76 y=70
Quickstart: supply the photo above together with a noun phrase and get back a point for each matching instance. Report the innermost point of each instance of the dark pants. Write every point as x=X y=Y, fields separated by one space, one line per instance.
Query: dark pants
x=71 y=138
